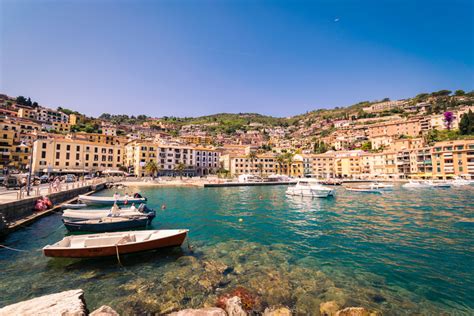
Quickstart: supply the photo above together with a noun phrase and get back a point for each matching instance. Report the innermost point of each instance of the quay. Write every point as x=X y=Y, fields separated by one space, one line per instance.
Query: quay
x=18 y=213
x=247 y=184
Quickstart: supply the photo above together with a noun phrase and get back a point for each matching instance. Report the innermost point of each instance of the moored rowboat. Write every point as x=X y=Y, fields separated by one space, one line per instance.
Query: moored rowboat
x=73 y=206
x=77 y=215
x=106 y=200
x=111 y=244
x=107 y=224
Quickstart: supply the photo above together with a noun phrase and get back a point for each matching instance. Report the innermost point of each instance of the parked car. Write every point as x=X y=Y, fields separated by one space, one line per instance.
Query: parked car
x=69 y=178
x=13 y=182
x=44 y=178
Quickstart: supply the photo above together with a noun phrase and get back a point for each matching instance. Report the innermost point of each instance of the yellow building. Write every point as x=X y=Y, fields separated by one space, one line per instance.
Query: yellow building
x=262 y=165
x=73 y=119
x=323 y=165
x=62 y=155
x=453 y=158
x=61 y=127
x=347 y=164
x=137 y=154
x=198 y=140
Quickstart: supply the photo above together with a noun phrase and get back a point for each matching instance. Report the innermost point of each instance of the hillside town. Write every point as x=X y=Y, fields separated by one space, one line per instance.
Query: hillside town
x=430 y=136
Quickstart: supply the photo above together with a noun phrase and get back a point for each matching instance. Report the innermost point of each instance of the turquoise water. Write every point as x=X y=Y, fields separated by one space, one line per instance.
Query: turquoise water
x=402 y=252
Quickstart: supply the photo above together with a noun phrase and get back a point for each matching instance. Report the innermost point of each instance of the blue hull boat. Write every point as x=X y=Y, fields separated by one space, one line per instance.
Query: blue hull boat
x=107 y=224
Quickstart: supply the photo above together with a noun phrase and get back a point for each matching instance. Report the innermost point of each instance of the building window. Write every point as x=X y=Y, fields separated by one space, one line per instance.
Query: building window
x=43 y=154
x=43 y=145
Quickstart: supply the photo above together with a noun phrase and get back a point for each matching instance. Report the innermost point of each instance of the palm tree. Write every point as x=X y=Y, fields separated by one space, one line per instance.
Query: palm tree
x=260 y=169
x=152 y=168
x=252 y=156
x=280 y=159
x=180 y=167
x=289 y=161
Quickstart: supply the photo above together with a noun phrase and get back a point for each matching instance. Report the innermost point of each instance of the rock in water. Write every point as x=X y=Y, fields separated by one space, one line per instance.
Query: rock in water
x=63 y=303
x=277 y=311
x=353 y=311
x=328 y=308
x=211 y=311
x=234 y=307
x=104 y=310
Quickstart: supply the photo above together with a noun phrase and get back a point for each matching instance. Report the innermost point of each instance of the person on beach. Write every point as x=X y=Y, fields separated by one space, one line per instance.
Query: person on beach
x=116 y=196
x=126 y=197
x=114 y=210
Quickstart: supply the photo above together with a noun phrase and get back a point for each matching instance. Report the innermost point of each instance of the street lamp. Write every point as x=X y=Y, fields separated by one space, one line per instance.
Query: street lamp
x=24 y=145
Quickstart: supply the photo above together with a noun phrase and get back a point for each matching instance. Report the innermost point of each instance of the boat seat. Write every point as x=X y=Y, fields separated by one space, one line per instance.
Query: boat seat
x=102 y=241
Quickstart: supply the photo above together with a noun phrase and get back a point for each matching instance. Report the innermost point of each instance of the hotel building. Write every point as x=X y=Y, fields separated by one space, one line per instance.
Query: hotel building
x=453 y=158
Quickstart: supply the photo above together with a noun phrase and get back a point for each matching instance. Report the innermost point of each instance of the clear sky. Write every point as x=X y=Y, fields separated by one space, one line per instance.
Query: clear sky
x=190 y=57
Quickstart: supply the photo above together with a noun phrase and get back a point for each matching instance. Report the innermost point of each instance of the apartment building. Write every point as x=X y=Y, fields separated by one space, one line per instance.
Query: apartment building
x=62 y=155
x=453 y=158
x=43 y=115
x=262 y=164
x=206 y=160
x=323 y=165
x=384 y=106
x=410 y=128
x=347 y=164
x=137 y=154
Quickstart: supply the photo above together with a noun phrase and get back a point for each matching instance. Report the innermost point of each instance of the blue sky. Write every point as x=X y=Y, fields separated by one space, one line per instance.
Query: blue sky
x=188 y=58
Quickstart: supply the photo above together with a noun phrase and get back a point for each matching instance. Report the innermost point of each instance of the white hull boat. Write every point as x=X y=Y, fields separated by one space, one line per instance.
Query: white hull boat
x=416 y=185
x=439 y=184
x=88 y=214
x=106 y=200
x=309 y=188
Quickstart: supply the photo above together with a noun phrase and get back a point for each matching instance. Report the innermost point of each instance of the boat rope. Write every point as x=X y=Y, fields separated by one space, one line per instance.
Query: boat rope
x=14 y=249
x=190 y=248
x=118 y=255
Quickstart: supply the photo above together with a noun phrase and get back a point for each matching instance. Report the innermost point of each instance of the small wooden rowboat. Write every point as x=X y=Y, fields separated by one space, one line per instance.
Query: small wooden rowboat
x=365 y=190
x=112 y=244
x=107 y=224
x=107 y=200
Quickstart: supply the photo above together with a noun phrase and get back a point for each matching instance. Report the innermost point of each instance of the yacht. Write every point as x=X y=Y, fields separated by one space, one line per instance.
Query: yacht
x=458 y=181
x=439 y=184
x=309 y=187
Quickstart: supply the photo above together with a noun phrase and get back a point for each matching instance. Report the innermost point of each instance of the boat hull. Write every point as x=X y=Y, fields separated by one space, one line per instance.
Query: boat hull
x=85 y=226
x=81 y=216
x=171 y=241
x=98 y=200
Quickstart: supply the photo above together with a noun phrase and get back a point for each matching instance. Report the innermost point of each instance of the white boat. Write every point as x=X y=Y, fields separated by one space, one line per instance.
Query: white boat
x=440 y=184
x=458 y=182
x=371 y=188
x=87 y=214
x=106 y=200
x=416 y=185
x=74 y=206
x=249 y=178
x=115 y=244
x=309 y=187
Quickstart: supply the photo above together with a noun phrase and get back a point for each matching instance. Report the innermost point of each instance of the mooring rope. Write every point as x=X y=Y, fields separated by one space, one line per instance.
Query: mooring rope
x=118 y=256
x=14 y=249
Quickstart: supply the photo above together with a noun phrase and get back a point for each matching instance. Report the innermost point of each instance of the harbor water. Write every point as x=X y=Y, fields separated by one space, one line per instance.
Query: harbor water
x=403 y=252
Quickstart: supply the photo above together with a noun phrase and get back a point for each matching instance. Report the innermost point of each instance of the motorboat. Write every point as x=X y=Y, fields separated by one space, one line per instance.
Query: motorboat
x=114 y=244
x=458 y=181
x=73 y=206
x=440 y=184
x=106 y=200
x=249 y=178
x=309 y=187
x=412 y=184
x=107 y=224
x=371 y=188
x=331 y=182
x=86 y=214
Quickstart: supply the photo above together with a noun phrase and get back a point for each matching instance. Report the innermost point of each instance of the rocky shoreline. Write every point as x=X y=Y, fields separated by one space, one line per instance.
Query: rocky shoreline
x=72 y=303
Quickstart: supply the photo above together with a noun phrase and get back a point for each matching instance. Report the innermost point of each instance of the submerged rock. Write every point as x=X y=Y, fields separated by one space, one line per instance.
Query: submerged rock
x=353 y=311
x=210 y=311
x=277 y=311
x=328 y=308
x=104 y=310
x=63 y=303
x=234 y=307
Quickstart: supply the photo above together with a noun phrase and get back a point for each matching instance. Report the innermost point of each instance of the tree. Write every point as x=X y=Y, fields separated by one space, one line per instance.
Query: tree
x=459 y=93
x=180 y=167
x=466 y=125
x=252 y=156
x=280 y=159
x=367 y=146
x=441 y=93
x=152 y=168
x=289 y=161
x=448 y=119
